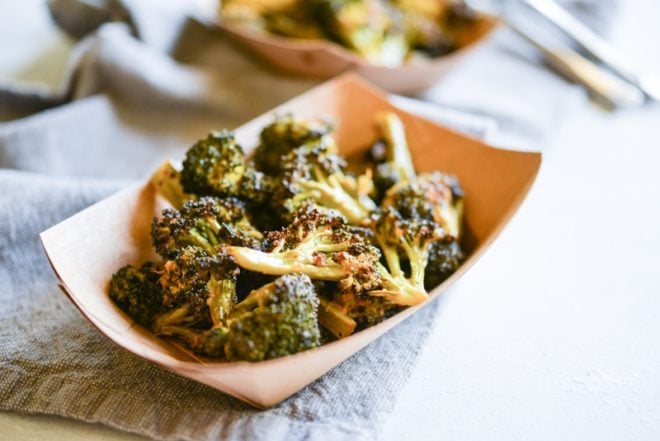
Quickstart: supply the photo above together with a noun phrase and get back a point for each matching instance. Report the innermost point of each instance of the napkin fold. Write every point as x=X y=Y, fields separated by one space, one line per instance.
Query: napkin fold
x=143 y=82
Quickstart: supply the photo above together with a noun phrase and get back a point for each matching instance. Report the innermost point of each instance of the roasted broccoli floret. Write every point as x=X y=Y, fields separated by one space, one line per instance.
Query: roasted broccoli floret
x=348 y=312
x=214 y=166
x=179 y=323
x=445 y=257
x=411 y=238
x=285 y=134
x=277 y=319
x=317 y=243
x=369 y=27
x=432 y=196
x=210 y=277
x=366 y=310
x=416 y=214
x=206 y=223
x=191 y=312
x=256 y=187
x=136 y=291
x=314 y=173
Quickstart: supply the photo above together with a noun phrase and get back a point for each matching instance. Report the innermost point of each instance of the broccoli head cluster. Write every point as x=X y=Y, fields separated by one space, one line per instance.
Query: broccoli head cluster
x=270 y=257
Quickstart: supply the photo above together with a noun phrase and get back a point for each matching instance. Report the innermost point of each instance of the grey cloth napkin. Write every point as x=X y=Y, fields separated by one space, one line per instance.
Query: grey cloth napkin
x=143 y=83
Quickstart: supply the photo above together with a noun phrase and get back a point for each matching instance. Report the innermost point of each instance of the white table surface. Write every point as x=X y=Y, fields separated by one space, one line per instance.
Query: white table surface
x=555 y=333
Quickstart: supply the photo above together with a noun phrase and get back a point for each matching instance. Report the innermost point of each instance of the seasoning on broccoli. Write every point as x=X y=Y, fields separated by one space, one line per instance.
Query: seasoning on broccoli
x=213 y=166
x=315 y=173
x=277 y=319
x=206 y=223
x=412 y=238
x=445 y=256
x=136 y=291
x=317 y=243
x=432 y=196
x=366 y=27
x=285 y=134
x=212 y=278
x=296 y=235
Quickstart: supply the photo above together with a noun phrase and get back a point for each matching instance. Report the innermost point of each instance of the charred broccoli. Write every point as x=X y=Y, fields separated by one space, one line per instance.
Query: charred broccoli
x=412 y=238
x=328 y=256
x=136 y=291
x=317 y=243
x=368 y=27
x=445 y=257
x=315 y=173
x=277 y=319
x=366 y=310
x=195 y=274
x=432 y=196
x=285 y=134
x=206 y=223
x=214 y=166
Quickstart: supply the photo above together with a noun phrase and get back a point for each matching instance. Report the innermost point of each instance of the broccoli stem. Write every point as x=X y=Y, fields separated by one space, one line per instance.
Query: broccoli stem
x=278 y=264
x=394 y=135
x=255 y=298
x=398 y=289
x=222 y=297
x=450 y=218
x=329 y=192
x=418 y=257
x=334 y=319
x=175 y=317
x=192 y=338
x=167 y=183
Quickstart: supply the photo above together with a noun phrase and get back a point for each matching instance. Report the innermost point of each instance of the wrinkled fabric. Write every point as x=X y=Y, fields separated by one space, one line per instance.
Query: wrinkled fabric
x=145 y=81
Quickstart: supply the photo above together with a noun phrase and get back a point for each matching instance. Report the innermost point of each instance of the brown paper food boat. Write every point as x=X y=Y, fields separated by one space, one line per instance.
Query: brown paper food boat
x=86 y=249
x=324 y=59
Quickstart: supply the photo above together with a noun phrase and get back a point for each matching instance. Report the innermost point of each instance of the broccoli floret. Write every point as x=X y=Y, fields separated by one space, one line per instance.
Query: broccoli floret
x=348 y=305
x=366 y=310
x=413 y=238
x=137 y=292
x=368 y=27
x=444 y=258
x=386 y=175
x=277 y=319
x=432 y=196
x=285 y=134
x=205 y=223
x=214 y=166
x=190 y=312
x=318 y=244
x=314 y=173
x=416 y=215
x=256 y=187
x=209 y=277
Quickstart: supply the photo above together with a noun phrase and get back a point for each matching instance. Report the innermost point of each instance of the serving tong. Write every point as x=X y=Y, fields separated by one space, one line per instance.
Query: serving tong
x=614 y=82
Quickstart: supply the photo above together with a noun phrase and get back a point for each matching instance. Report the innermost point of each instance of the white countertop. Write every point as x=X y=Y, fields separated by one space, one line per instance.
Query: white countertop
x=555 y=332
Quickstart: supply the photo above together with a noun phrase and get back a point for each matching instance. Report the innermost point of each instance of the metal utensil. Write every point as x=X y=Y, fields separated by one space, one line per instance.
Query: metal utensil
x=596 y=46
x=604 y=86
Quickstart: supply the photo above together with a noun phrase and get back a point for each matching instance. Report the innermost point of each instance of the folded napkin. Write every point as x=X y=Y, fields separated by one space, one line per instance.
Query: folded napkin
x=142 y=84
